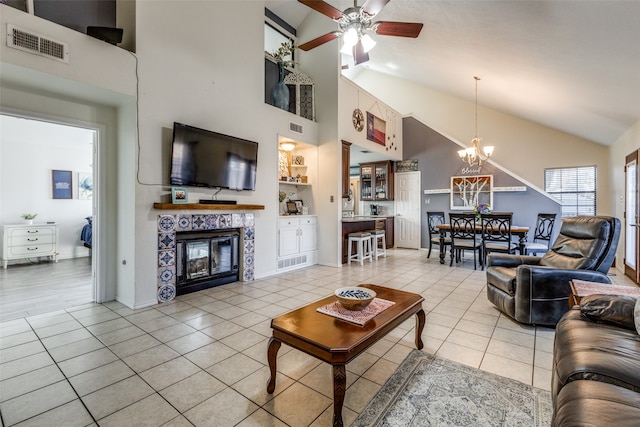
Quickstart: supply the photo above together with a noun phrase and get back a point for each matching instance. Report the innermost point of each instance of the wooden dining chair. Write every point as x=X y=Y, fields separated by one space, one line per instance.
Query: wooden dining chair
x=496 y=234
x=433 y=220
x=542 y=235
x=465 y=235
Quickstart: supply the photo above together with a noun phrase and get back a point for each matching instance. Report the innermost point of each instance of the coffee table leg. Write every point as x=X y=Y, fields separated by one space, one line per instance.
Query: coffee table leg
x=272 y=352
x=339 y=388
x=420 y=319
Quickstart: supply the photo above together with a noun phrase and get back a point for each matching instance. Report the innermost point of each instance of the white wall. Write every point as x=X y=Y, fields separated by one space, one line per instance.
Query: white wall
x=521 y=146
x=625 y=145
x=29 y=151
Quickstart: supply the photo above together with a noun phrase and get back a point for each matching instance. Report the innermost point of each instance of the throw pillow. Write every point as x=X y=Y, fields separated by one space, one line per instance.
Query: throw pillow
x=617 y=310
x=636 y=314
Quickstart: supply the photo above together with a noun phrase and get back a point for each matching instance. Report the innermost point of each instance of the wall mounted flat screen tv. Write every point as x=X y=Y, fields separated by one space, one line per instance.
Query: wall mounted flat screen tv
x=203 y=158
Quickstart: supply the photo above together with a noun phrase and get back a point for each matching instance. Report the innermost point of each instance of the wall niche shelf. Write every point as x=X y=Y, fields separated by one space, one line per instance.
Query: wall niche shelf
x=207 y=207
x=299 y=184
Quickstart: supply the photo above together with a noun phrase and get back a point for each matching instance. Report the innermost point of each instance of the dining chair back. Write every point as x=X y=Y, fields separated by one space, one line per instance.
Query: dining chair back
x=465 y=235
x=496 y=234
x=434 y=219
x=542 y=235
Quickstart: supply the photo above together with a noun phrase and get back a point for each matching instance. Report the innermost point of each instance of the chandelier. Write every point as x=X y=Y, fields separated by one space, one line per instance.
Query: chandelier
x=475 y=154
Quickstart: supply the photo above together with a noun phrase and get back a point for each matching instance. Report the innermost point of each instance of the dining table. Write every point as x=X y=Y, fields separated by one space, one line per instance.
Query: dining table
x=516 y=230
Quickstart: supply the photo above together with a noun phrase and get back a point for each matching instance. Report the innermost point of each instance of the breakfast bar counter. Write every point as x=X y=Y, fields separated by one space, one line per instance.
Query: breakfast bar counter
x=365 y=223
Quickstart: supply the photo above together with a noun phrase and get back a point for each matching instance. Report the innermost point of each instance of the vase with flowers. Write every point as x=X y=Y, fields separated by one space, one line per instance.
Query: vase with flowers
x=280 y=90
x=481 y=209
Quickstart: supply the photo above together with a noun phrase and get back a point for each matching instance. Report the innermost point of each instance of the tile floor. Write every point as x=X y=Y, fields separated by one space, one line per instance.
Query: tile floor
x=201 y=360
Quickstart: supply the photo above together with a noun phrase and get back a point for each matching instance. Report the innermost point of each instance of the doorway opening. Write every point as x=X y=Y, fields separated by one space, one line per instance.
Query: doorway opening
x=47 y=169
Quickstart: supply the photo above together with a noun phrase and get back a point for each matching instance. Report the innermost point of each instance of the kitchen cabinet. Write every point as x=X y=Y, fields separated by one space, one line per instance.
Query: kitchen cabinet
x=376 y=181
x=28 y=241
x=346 y=160
x=297 y=242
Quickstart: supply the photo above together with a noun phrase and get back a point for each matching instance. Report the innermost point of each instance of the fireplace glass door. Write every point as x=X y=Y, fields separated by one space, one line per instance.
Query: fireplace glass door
x=197 y=259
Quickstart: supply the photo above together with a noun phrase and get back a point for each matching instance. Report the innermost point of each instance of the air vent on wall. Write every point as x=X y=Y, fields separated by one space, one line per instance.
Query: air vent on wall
x=294 y=127
x=38 y=44
x=292 y=262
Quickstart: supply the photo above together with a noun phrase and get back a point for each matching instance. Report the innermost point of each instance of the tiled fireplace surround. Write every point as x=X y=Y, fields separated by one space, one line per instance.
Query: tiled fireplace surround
x=169 y=225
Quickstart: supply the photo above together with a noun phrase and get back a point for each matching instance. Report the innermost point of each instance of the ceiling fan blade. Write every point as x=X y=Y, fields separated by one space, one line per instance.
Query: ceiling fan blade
x=359 y=55
x=373 y=7
x=320 y=40
x=401 y=29
x=322 y=7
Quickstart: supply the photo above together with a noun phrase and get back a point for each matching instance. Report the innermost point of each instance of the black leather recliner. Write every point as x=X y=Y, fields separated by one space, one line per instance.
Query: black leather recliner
x=535 y=290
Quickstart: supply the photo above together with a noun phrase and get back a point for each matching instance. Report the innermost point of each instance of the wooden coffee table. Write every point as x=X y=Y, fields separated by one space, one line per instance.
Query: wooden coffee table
x=337 y=341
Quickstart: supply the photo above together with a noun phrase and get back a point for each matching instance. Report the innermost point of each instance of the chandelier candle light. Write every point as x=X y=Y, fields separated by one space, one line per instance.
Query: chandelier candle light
x=474 y=154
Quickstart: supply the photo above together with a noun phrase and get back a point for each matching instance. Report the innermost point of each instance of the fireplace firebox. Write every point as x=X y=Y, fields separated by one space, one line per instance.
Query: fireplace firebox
x=205 y=259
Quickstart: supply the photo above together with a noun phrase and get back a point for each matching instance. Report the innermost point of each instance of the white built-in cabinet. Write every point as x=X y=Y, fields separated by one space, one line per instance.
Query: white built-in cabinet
x=297 y=241
x=28 y=241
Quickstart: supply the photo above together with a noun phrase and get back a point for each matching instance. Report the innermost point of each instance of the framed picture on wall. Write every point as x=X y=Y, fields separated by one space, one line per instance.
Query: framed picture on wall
x=61 y=184
x=376 y=129
x=179 y=195
x=469 y=191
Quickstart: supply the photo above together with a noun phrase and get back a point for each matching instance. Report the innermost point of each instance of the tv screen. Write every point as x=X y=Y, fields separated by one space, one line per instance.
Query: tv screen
x=202 y=158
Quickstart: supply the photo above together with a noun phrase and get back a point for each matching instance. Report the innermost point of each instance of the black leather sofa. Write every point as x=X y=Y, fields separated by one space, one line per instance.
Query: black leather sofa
x=535 y=290
x=596 y=365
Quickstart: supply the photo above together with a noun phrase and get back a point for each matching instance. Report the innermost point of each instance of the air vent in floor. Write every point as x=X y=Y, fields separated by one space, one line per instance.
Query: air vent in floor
x=28 y=41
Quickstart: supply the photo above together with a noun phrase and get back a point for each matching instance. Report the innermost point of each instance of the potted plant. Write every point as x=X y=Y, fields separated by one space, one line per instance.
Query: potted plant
x=28 y=218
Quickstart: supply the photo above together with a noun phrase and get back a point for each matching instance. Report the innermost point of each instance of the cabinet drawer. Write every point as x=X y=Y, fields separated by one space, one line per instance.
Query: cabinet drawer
x=31 y=231
x=32 y=250
x=288 y=222
x=308 y=221
x=31 y=240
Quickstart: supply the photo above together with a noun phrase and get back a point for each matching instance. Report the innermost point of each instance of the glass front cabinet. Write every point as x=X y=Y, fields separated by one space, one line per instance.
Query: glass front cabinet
x=376 y=181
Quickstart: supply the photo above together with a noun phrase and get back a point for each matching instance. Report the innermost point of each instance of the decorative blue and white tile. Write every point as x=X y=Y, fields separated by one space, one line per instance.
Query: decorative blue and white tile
x=212 y=221
x=166 y=293
x=184 y=222
x=225 y=220
x=166 y=257
x=249 y=233
x=249 y=219
x=198 y=222
x=247 y=275
x=248 y=261
x=166 y=223
x=249 y=247
x=236 y=220
x=167 y=275
x=166 y=241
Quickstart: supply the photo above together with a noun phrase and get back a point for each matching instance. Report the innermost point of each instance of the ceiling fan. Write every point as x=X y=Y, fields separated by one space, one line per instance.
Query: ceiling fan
x=355 y=22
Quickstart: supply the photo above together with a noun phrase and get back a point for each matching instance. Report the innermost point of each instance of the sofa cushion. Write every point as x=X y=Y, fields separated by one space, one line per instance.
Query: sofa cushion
x=610 y=309
x=592 y=403
x=594 y=351
x=503 y=278
x=636 y=315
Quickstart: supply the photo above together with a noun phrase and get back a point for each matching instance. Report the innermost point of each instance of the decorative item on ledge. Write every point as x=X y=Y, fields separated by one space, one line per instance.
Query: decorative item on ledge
x=198 y=206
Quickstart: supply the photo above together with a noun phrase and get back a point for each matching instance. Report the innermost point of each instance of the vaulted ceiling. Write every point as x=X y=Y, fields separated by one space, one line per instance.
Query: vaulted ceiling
x=569 y=65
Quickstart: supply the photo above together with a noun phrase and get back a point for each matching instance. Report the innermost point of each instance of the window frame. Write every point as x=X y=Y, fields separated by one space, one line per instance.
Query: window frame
x=572 y=186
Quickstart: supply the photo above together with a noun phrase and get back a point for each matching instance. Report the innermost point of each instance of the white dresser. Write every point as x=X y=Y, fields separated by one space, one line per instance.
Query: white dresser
x=28 y=241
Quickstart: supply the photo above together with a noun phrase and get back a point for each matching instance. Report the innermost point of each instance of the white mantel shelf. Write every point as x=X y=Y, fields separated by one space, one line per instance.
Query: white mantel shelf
x=207 y=207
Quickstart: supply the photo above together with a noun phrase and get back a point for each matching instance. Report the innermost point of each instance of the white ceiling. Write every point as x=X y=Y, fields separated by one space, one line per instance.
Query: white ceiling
x=569 y=65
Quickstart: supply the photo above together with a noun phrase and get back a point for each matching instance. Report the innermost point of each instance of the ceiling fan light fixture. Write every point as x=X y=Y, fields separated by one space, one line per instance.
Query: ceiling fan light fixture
x=368 y=43
x=351 y=37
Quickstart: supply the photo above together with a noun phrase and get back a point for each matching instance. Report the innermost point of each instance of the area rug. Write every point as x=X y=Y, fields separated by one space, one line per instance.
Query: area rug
x=429 y=391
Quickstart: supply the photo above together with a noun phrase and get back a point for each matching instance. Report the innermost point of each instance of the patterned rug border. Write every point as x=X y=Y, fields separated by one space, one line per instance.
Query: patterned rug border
x=383 y=401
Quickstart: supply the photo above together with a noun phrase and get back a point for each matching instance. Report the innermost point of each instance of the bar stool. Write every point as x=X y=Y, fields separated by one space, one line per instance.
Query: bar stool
x=375 y=236
x=363 y=241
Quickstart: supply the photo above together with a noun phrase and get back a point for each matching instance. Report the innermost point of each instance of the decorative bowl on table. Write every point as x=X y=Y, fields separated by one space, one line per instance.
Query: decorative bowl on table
x=355 y=298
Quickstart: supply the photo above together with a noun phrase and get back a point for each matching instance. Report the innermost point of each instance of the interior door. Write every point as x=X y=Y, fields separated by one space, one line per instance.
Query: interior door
x=407 y=221
x=632 y=217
